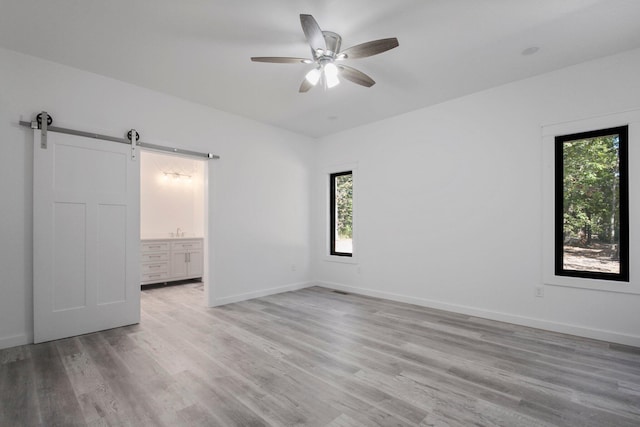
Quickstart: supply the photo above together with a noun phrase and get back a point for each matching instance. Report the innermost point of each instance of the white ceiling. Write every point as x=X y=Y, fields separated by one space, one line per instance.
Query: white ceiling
x=200 y=49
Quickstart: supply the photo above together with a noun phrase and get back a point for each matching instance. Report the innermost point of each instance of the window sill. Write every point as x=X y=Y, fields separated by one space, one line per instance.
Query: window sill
x=341 y=259
x=592 y=284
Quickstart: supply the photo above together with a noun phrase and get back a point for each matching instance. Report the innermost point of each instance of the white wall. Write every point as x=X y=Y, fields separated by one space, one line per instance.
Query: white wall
x=169 y=202
x=449 y=203
x=259 y=201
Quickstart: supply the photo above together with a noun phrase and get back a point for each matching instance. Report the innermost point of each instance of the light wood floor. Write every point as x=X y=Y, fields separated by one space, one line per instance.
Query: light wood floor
x=315 y=357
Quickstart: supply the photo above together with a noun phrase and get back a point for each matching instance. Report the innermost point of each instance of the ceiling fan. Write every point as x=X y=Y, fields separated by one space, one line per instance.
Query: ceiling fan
x=327 y=56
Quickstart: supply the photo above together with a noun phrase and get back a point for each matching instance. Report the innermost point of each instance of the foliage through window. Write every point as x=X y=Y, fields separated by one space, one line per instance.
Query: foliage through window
x=341 y=213
x=591 y=208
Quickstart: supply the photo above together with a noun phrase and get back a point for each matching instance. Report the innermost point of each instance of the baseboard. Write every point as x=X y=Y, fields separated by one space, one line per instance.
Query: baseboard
x=564 y=328
x=14 y=341
x=261 y=293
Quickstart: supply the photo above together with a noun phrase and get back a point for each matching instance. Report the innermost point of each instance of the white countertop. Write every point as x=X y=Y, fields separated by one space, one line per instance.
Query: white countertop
x=147 y=239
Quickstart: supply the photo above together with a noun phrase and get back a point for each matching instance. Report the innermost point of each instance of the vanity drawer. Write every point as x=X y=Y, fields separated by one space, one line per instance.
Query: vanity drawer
x=155 y=267
x=186 y=245
x=154 y=246
x=155 y=277
x=154 y=257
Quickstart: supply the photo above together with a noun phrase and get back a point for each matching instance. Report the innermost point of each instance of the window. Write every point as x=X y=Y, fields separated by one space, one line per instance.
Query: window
x=591 y=205
x=341 y=213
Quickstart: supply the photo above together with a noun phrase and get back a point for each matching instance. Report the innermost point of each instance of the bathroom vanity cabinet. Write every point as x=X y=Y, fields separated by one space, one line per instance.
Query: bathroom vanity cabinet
x=165 y=260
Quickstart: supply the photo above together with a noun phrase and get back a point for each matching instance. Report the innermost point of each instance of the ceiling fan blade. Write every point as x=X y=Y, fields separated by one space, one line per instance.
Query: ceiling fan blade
x=305 y=86
x=280 y=60
x=369 y=48
x=355 y=76
x=312 y=32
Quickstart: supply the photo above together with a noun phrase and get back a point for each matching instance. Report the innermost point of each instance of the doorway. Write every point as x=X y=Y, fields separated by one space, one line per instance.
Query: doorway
x=173 y=220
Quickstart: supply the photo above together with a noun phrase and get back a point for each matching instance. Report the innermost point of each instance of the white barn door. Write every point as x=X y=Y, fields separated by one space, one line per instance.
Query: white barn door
x=86 y=236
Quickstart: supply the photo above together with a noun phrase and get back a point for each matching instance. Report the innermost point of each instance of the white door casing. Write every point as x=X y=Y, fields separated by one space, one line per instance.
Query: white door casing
x=86 y=236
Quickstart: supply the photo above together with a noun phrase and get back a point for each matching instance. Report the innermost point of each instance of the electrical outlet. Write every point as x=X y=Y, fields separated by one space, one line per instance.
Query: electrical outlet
x=539 y=291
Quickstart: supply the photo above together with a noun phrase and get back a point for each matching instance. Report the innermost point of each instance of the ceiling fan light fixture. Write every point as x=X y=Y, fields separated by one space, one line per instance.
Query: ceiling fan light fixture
x=331 y=74
x=332 y=81
x=313 y=76
x=330 y=69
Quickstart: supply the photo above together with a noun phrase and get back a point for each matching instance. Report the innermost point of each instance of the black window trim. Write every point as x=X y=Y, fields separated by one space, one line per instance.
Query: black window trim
x=332 y=213
x=623 y=275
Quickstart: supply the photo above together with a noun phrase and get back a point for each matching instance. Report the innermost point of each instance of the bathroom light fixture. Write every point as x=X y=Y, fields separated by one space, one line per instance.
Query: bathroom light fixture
x=176 y=175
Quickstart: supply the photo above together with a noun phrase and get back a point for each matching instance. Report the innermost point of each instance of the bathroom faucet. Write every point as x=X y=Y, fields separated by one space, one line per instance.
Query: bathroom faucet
x=178 y=232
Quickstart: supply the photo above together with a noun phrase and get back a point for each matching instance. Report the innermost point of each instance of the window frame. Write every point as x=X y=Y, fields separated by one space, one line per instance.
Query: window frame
x=623 y=155
x=332 y=213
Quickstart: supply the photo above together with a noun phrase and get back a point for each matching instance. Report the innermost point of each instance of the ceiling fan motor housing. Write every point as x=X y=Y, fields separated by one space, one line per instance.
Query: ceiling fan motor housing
x=333 y=42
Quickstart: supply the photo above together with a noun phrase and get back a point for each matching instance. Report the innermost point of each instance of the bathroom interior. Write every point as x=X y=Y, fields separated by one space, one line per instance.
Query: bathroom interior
x=172 y=225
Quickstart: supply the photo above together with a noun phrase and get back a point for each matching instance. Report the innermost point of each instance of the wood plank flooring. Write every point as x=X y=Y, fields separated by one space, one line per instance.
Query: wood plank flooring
x=317 y=358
